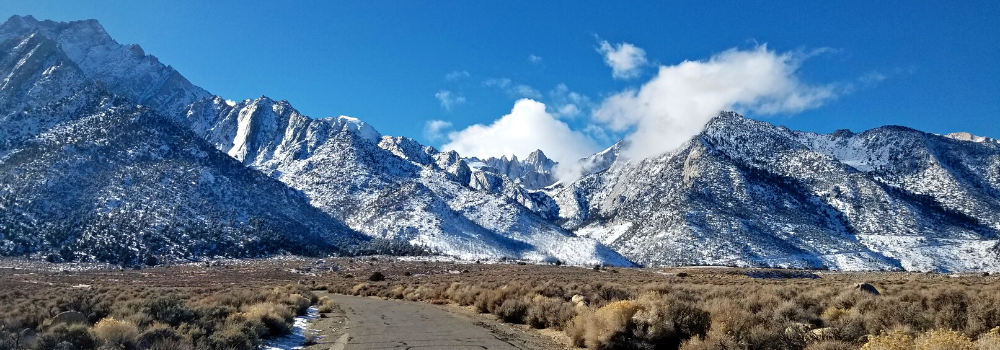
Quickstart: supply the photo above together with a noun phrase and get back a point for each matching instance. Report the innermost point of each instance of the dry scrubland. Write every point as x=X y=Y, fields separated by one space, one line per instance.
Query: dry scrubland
x=227 y=306
x=236 y=305
x=615 y=308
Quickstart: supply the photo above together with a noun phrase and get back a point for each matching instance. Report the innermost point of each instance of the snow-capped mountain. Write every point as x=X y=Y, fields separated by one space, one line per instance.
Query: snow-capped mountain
x=748 y=193
x=387 y=187
x=382 y=186
x=87 y=174
x=110 y=153
x=533 y=173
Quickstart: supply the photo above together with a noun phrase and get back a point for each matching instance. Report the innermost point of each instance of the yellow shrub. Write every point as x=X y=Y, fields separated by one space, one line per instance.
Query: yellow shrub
x=116 y=333
x=832 y=314
x=944 y=340
x=594 y=329
x=276 y=317
x=895 y=340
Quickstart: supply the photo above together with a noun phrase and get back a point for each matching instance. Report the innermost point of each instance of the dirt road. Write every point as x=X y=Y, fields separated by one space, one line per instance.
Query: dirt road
x=368 y=323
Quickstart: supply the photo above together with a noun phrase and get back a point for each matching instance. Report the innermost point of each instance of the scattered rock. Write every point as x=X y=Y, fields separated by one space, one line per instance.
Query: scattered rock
x=867 y=288
x=821 y=334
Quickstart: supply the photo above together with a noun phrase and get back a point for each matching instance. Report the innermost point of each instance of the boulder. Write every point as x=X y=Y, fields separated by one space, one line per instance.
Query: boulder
x=867 y=288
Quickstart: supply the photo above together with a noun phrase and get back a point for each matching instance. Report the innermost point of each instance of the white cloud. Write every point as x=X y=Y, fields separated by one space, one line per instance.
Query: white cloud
x=534 y=59
x=871 y=78
x=528 y=127
x=527 y=92
x=433 y=129
x=448 y=100
x=566 y=103
x=626 y=60
x=502 y=83
x=456 y=75
x=677 y=103
x=513 y=90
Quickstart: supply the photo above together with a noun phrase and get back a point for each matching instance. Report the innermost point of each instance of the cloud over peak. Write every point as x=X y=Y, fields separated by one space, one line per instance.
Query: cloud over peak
x=526 y=128
x=676 y=104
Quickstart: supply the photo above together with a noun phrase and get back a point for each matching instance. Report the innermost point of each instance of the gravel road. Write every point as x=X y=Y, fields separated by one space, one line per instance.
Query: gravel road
x=369 y=323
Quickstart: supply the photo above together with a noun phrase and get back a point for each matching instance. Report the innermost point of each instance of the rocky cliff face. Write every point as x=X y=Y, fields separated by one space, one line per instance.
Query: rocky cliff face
x=533 y=173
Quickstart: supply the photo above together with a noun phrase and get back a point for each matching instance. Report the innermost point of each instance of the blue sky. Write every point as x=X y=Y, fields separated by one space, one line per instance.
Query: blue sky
x=934 y=66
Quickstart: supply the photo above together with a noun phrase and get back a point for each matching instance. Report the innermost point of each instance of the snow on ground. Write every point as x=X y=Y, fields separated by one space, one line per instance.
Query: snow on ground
x=297 y=338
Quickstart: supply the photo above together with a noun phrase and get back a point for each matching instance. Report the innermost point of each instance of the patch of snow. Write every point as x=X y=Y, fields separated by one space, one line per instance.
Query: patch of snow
x=297 y=337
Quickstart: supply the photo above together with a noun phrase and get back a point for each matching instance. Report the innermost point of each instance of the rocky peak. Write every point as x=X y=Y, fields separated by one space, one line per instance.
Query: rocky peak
x=964 y=136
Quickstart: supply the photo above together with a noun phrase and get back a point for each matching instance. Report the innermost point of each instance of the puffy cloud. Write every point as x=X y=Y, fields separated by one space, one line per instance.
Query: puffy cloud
x=528 y=127
x=448 y=100
x=534 y=59
x=456 y=75
x=433 y=129
x=626 y=60
x=677 y=103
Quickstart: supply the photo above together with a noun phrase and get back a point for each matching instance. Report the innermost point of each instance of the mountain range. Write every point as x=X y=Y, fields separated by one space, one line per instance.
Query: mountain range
x=108 y=154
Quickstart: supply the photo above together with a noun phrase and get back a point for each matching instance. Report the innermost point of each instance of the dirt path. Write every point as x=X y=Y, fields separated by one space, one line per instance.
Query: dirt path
x=369 y=323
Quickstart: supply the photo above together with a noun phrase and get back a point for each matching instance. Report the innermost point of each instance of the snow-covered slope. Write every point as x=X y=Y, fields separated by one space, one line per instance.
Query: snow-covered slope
x=388 y=187
x=124 y=69
x=748 y=193
x=87 y=174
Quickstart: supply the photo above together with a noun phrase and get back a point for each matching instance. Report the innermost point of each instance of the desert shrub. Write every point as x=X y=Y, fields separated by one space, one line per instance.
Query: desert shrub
x=989 y=340
x=610 y=293
x=325 y=305
x=77 y=336
x=512 y=310
x=233 y=336
x=984 y=315
x=116 y=334
x=943 y=340
x=299 y=303
x=895 y=340
x=376 y=277
x=169 y=309
x=650 y=322
x=713 y=341
x=546 y=312
x=831 y=345
x=950 y=309
x=160 y=336
x=277 y=318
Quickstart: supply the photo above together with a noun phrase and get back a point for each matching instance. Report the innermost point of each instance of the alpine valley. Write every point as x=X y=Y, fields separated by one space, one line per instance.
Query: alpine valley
x=107 y=154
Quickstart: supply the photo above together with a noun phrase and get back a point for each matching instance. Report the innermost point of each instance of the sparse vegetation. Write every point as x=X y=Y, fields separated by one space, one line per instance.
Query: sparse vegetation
x=152 y=314
x=211 y=306
x=716 y=309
